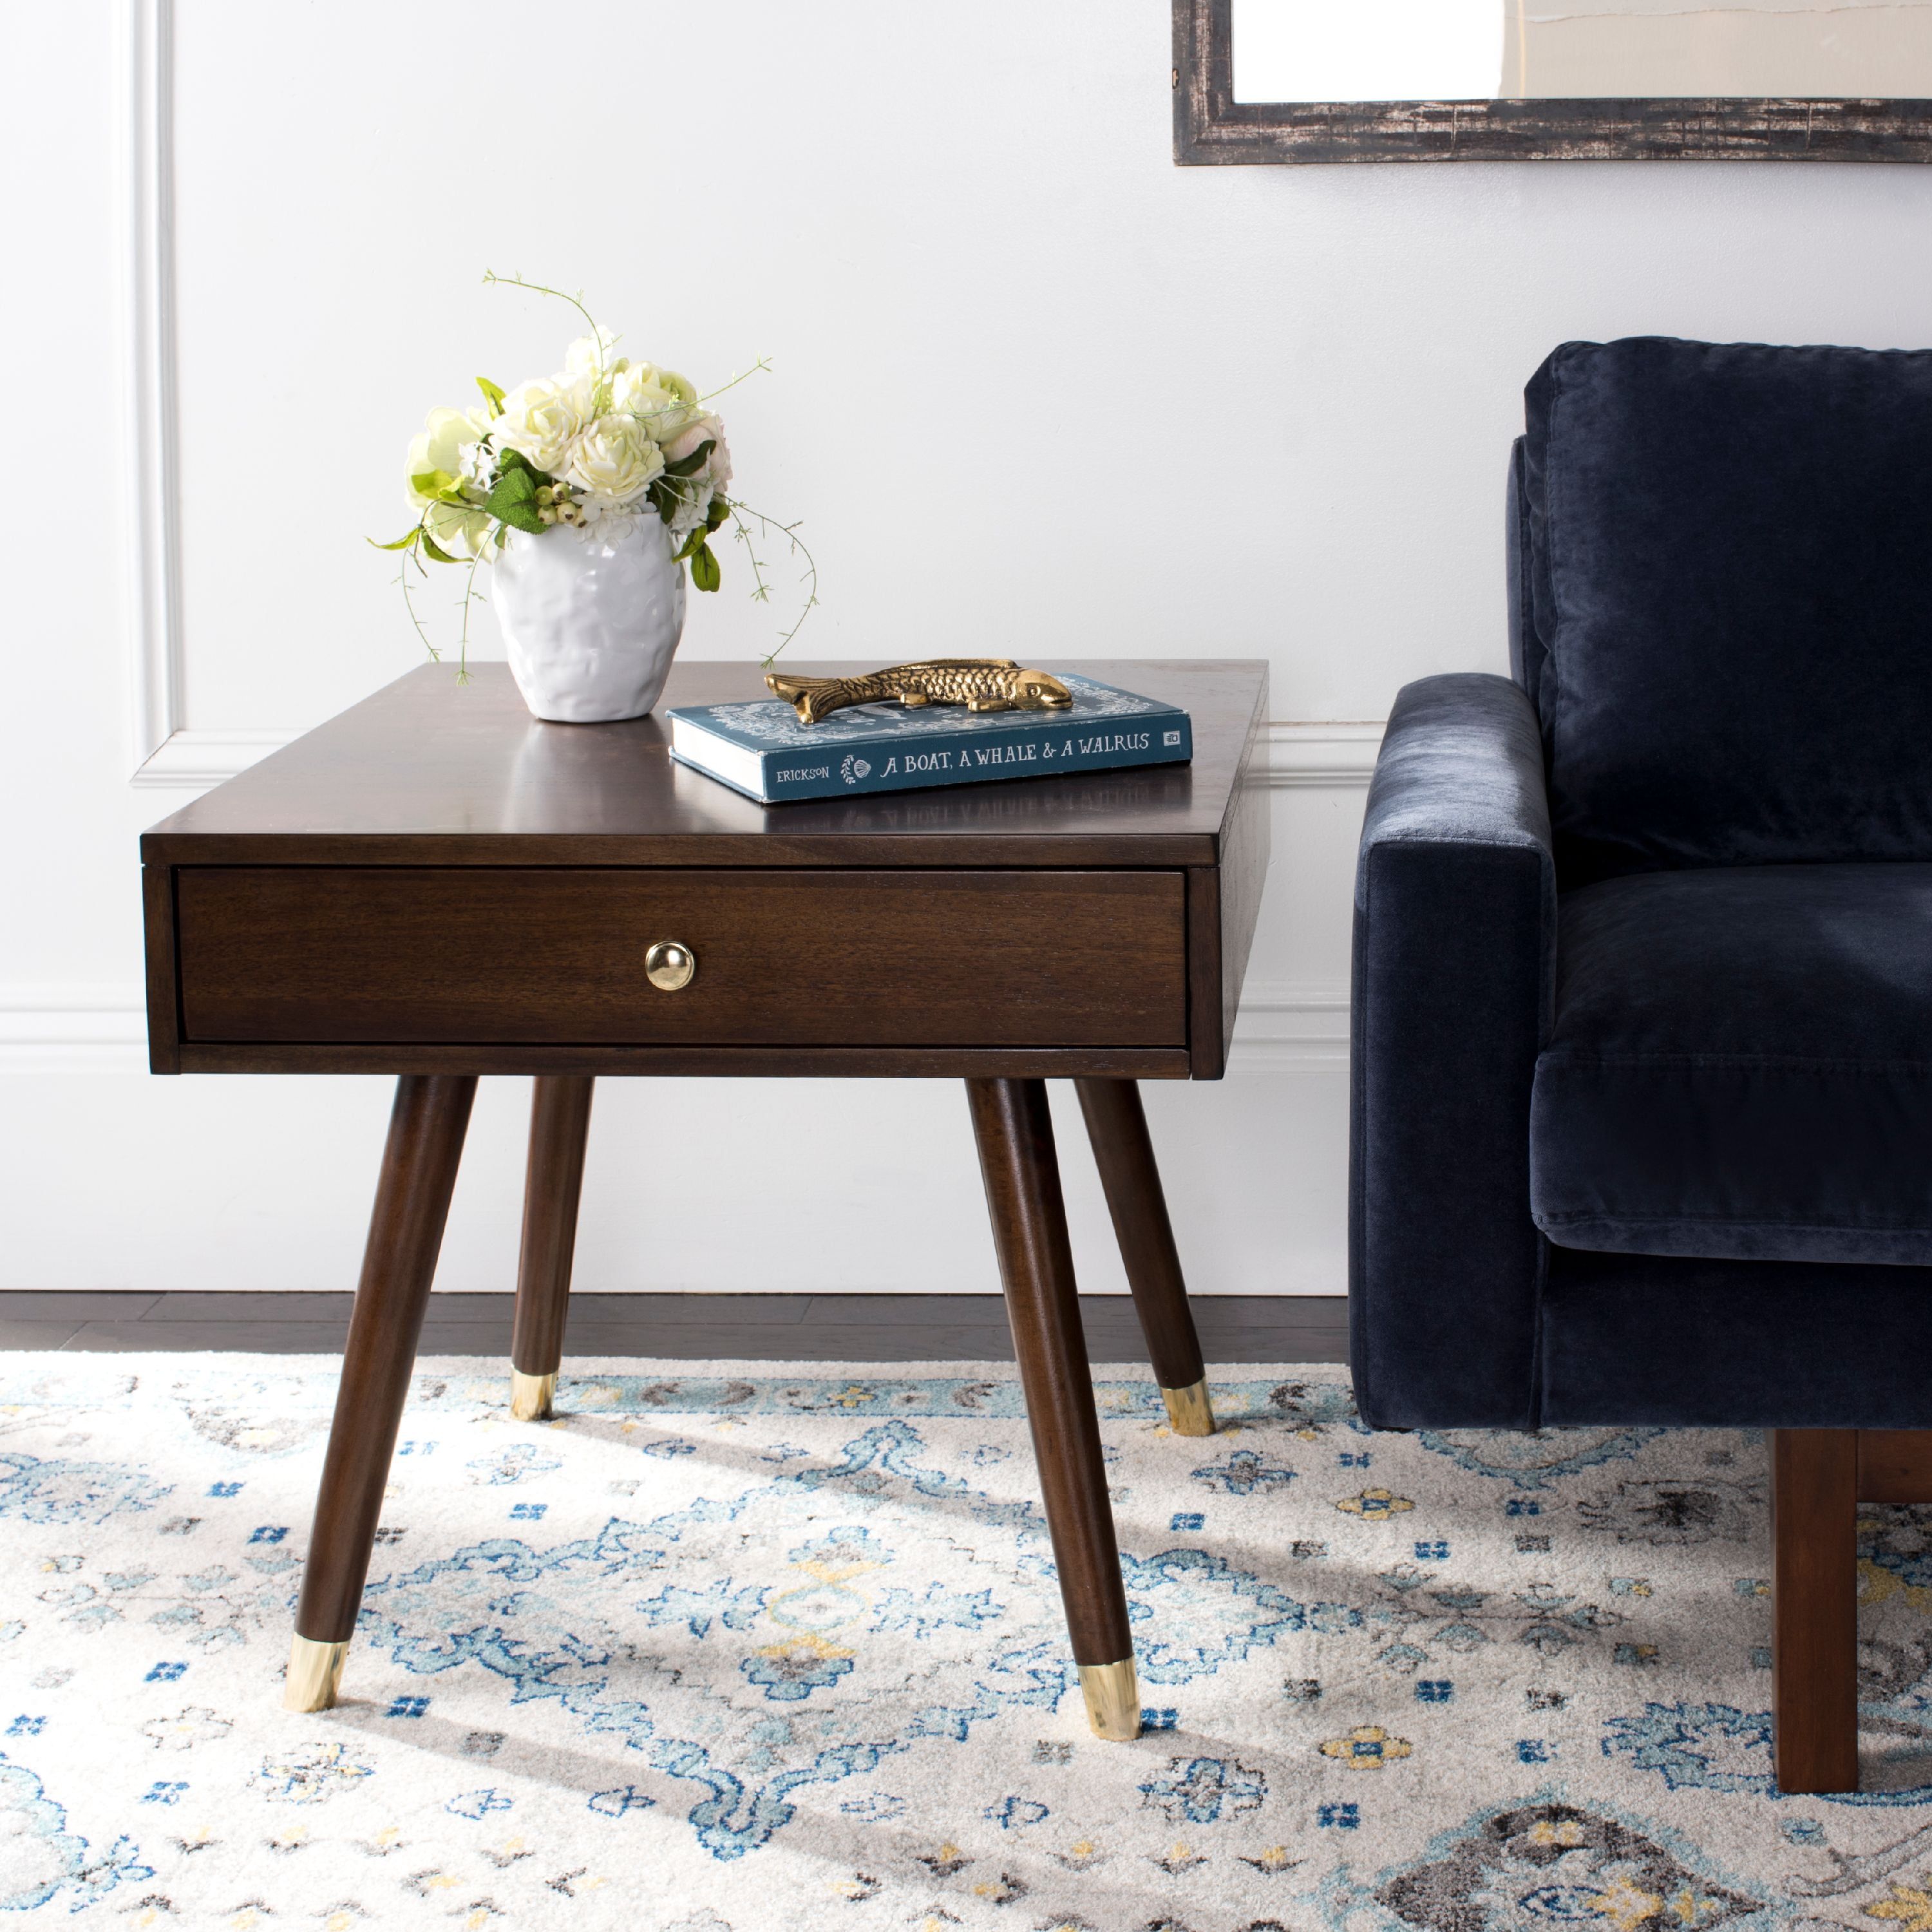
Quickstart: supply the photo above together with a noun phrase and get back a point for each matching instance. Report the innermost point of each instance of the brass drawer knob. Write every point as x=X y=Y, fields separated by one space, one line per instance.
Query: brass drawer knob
x=670 y=967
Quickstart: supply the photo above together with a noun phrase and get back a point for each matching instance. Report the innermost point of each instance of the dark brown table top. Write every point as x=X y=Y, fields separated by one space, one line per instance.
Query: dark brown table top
x=429 y=771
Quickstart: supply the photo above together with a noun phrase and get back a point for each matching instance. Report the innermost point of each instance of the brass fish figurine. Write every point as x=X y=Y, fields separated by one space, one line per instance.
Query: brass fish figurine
x=980 y=684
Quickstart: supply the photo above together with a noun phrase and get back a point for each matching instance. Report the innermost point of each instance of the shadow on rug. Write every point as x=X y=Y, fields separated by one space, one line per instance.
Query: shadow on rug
x=736 y=1648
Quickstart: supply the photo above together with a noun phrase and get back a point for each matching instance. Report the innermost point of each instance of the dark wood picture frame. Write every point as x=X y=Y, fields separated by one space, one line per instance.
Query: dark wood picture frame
x=1212 y=129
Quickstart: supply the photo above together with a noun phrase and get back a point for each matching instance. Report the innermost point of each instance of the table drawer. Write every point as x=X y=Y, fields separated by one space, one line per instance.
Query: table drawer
x=549 y=954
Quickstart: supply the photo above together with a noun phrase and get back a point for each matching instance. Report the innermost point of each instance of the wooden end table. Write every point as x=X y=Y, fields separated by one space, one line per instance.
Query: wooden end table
x=435 y=885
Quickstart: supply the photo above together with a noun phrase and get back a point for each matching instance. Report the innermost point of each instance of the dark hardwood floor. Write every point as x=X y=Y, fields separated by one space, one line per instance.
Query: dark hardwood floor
x=761 y=1327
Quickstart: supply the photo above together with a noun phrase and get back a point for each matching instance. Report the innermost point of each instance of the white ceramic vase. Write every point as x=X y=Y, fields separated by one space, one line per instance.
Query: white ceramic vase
x=591 y=623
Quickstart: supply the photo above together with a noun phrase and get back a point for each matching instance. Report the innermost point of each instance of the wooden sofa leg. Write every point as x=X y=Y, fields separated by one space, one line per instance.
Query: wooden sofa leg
x=1814 y=1490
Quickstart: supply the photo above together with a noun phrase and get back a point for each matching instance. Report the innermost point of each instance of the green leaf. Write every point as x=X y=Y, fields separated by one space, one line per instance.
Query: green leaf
x=507 y=459
x=689 y=466
x=434 y=551
x=663 y=499
x=715 y=517
x=514 y=501
x=514 y=486
x=432 y=482
x=401 y=543
x=705 y=574
x=492 y=394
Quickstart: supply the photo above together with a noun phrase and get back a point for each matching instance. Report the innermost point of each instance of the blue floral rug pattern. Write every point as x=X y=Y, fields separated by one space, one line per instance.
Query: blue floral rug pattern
x=730 y=1648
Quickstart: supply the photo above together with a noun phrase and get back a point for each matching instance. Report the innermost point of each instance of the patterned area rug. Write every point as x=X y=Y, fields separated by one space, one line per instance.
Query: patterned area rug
x=733 y=1649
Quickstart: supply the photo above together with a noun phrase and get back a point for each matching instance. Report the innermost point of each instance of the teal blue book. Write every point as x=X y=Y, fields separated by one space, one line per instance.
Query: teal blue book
x=761 y=749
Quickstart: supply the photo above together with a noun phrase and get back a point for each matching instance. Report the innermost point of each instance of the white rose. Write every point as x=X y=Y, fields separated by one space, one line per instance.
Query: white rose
x=703 y=428
x=586 y=357
x=615 y=460
x=445 y=442
x=709 y=479
x=541 y=420
x=661 y=399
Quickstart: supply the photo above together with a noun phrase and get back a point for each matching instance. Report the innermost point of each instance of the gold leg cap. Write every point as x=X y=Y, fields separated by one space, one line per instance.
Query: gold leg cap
x=531 y=1396
x=1189 y=1410
x=1113 y=1695
x=315 y=1674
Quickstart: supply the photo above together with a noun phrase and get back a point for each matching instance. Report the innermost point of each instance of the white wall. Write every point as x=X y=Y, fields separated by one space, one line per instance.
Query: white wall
x=1034 y=389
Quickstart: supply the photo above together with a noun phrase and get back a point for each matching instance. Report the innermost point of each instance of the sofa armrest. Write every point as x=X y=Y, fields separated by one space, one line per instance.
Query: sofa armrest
x=1454 y=972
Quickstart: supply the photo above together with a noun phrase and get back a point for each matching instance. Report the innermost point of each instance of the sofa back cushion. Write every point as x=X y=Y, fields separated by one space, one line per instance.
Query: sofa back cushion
x=1730 y=591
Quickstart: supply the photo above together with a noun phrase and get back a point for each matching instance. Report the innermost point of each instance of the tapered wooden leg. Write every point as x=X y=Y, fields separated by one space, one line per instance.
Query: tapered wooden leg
x=1116 y=1126
x=419 y=1162
x=1015 y=1132
x=1814 y=1608
x=553 y=1182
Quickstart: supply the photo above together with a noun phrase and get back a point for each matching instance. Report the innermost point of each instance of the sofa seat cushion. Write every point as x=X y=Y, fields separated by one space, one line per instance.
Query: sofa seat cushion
x=1740 y=1066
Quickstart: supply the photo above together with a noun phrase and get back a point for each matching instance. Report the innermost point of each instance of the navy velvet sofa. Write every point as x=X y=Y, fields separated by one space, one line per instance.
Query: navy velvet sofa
x=1641 y=1106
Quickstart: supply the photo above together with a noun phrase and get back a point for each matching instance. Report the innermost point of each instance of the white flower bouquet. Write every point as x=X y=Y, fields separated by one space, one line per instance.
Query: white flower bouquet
x=603 y=442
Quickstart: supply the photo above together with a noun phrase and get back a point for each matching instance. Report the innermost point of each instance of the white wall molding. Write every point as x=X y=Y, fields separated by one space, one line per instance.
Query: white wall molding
x=72 y=1028
x=1284 y=1026
x=194 y=760
x=1314 y=751
x=1291 y=1026
x=145 y=125
x=1319 y=751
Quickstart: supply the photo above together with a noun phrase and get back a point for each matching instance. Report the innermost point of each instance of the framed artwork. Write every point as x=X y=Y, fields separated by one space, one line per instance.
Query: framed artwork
x=1300 y=81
